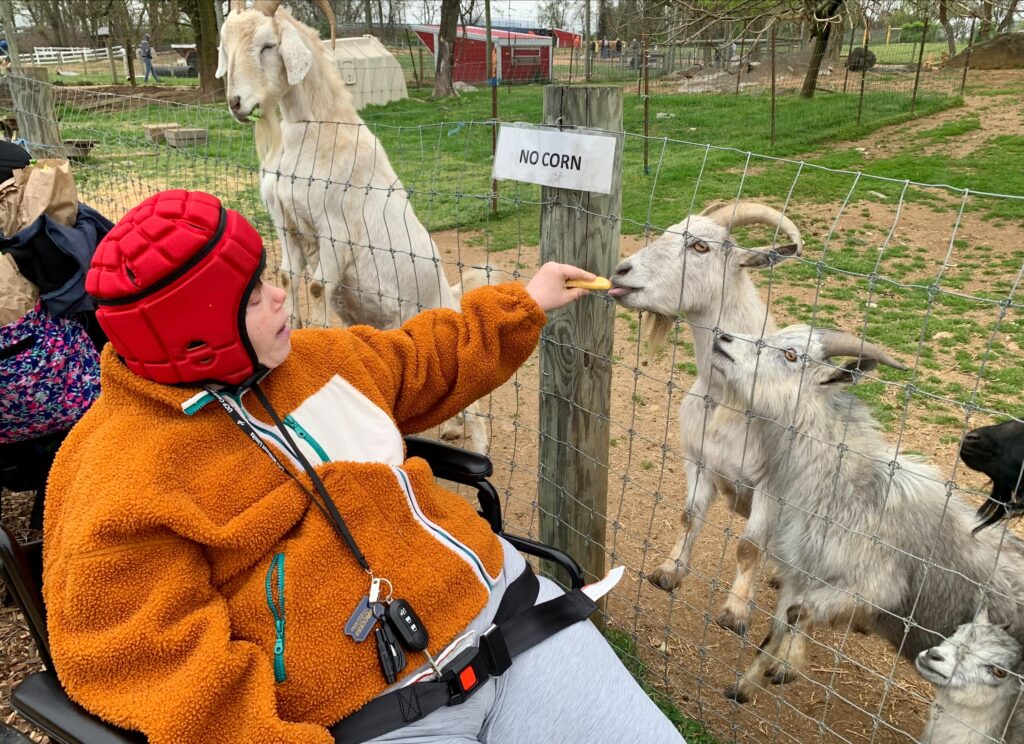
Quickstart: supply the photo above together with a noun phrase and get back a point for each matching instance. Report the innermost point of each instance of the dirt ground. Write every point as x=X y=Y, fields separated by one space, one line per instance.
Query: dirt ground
x=856 y=690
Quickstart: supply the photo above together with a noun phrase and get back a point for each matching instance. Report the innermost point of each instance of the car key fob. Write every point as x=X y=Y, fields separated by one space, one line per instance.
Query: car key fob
x=408 y=627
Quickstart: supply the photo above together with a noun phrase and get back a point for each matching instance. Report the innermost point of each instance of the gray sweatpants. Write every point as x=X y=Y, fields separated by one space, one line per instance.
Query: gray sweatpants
x=570 y=689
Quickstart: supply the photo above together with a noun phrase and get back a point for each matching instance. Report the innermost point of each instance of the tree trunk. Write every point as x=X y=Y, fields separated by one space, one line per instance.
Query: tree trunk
x=985 y=29
x=445 y=51
x=946 y=24
x=1004 y=25
x=210 y=87
x=822 y=34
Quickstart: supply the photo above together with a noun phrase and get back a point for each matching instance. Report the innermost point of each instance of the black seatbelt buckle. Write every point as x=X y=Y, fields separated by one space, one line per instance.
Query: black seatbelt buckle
x=495 y=651
x=466 y=674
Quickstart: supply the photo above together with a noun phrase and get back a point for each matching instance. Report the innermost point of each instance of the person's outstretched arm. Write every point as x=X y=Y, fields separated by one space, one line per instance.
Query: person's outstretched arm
x=441 y=361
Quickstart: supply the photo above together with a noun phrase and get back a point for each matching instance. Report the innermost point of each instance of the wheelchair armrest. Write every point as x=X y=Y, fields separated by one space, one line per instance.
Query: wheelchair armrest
x=461 y=466
x=546 y=552
x=42 y=701
x=450 y=463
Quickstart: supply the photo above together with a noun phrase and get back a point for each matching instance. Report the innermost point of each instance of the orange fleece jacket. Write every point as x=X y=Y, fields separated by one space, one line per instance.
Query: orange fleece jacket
x=160 y=529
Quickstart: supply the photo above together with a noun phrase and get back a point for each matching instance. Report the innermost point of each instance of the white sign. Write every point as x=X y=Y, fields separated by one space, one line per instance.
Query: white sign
x=564 y=160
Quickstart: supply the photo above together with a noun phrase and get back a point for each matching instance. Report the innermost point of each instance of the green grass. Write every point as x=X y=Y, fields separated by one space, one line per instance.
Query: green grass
x=441 y=150
x=624 y=646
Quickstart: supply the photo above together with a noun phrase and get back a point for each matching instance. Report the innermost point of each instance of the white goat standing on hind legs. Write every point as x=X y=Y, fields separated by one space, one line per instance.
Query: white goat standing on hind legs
x=341 y=212
x=979 y=698
x=865 y=538
x=695 y=269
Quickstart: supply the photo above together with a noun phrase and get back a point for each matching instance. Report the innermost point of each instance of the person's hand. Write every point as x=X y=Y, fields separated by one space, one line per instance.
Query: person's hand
x=547 y=287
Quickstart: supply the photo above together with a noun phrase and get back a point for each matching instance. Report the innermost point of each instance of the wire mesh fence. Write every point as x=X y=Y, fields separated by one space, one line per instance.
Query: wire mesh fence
x=861 y=553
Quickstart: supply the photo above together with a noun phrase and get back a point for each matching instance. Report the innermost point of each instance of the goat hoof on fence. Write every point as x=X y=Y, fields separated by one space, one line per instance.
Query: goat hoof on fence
x=733 y=692
x=728 y=619
x=665 y=579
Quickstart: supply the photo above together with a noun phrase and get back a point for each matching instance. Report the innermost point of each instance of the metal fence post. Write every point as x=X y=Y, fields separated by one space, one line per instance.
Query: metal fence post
x=967 y=60
x=581 y=228
x=920 y=61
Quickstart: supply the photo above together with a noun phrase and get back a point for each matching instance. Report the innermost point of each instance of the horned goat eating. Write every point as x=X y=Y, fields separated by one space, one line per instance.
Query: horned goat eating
x=341 y=213
x=998 y=452
x=695 y=269
x=976 y=673
x=865 y=538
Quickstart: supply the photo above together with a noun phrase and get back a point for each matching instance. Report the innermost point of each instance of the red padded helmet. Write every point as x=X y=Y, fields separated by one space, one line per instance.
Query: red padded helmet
x=171 y=280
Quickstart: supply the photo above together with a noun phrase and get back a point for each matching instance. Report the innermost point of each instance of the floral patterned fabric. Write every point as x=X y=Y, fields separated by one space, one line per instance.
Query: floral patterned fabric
x=49 y=375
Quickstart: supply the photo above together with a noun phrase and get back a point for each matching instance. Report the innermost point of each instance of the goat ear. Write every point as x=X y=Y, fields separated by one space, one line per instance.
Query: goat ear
x=222 y=61
x=296 y=56
x=762 y=258
x=847 y=373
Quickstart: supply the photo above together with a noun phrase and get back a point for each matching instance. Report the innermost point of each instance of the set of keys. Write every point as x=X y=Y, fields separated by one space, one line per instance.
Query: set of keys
x=395 y=626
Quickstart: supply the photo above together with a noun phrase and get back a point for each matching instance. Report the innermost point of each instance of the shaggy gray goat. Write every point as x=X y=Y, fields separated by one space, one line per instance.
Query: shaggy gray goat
x=865 y=539
x=696 y=270
x=976 y=673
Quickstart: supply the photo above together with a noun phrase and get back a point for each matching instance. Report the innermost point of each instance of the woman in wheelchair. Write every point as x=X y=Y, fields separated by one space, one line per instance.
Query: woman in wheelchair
x=236 y=548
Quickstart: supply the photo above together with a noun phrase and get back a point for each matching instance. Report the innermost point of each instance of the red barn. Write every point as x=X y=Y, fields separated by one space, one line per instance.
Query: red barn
x=567 y=39
x=519 y=57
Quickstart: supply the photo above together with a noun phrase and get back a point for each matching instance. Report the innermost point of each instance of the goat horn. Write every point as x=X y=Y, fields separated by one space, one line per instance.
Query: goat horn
x=267 y=7
x=748 y=213
x=329 y=12
x=712 y=207
x=837 y=343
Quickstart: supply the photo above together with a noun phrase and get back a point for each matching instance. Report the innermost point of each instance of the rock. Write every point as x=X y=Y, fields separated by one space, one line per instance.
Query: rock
x=463 y=87
x=664 y=115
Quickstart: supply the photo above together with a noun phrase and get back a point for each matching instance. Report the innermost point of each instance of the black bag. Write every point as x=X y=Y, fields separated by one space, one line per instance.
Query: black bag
x=12 y=158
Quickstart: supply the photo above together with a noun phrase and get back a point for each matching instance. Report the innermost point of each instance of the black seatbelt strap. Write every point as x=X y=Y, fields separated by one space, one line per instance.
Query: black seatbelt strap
x=518 y=626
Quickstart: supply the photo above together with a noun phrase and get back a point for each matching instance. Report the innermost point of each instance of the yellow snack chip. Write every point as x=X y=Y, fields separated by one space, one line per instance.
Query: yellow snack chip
x=599 y=284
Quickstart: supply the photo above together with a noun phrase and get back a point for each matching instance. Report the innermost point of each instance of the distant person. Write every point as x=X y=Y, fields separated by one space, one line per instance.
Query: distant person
x=146 y=55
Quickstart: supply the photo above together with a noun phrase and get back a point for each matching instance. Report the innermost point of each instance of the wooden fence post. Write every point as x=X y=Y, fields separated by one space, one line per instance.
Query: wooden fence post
x=581 y=228
x=34 y=109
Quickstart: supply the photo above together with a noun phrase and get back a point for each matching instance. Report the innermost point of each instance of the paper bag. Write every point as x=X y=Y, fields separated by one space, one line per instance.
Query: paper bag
x=17 y=294
x=47 y=187
x=10 y=201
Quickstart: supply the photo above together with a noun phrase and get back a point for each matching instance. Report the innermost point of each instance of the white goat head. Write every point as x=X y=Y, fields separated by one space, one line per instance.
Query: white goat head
x=791 y=370
x=974 y=665
x=695 y=263
x=263 y=52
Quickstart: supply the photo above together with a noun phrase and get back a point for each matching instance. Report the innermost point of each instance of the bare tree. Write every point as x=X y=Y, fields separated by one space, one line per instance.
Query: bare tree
x=553 y=14
x=948 y=26
x=203 y=17
x=825 y=18
x=445 y=52
x=425 y=12
x=1007 y=22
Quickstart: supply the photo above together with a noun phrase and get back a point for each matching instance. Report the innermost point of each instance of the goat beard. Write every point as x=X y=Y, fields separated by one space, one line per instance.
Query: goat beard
x=657 y=333
x=1003 y=502
x=268 y=132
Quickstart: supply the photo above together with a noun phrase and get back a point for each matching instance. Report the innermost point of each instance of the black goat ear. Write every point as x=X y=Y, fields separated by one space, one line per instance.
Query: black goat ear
x=847 y=373
x=762 y=258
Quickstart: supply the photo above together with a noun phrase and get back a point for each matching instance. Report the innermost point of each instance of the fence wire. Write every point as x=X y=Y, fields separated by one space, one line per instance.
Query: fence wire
x=929 y=272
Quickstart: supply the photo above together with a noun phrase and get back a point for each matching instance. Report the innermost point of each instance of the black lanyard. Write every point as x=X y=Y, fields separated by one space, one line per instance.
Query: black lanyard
x=331 y=511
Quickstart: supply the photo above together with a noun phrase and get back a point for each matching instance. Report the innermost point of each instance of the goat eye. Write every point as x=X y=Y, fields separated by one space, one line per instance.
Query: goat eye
x=998 y=672
x=791 y=355
x=267 y=48
x=701 y=247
